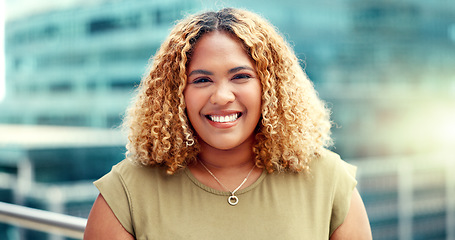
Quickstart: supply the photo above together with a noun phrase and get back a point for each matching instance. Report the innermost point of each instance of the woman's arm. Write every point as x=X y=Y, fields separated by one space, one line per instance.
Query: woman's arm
x=102 y=223
x=356 y=225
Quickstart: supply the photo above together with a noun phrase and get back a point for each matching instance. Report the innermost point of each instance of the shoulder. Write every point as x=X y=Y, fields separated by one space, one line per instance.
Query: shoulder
x=131 y=172
x=331 y=164
x=337 y=177
x=327 y=174
x=127 y=188
x=126 y=181
x=134 y=177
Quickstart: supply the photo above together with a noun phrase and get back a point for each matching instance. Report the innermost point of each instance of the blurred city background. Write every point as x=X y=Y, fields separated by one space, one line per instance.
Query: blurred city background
x=386 y=68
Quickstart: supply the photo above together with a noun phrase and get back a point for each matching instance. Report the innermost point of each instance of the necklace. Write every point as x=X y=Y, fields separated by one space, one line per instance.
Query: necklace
x=232 y=200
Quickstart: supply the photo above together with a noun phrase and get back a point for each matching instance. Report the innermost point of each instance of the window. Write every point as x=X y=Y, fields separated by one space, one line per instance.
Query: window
x=103 y=25
x=124 y=84
x=63 y=87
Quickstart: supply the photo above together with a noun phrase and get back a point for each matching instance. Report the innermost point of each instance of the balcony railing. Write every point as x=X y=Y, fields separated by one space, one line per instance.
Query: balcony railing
x=64 y=225
x=405 y=197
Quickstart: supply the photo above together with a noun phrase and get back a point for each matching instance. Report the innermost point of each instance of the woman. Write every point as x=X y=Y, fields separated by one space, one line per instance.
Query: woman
x=227 y=140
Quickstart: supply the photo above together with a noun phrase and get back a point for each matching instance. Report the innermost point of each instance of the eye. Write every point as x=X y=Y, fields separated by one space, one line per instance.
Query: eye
x=241 y=77
x=201 y=80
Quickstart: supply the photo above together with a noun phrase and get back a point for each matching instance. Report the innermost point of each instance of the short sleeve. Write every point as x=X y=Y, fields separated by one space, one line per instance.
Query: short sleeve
x=114 y=191
x=345 y=183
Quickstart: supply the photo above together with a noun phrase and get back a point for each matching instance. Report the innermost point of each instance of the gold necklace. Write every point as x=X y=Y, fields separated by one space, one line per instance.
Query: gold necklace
x=232 y=200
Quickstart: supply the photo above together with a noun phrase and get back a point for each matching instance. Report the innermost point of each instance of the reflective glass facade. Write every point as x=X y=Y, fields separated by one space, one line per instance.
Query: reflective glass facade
x=385 y=68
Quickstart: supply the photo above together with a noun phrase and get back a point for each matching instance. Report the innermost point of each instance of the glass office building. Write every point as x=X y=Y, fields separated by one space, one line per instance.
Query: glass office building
x=384 y=67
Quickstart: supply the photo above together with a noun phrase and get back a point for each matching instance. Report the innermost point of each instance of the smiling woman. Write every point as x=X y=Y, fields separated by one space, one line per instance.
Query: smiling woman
x=227 y=122
x=223 y=93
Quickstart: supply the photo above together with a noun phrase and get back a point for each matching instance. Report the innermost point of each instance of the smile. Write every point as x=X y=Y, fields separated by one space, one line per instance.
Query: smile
x=224 y=119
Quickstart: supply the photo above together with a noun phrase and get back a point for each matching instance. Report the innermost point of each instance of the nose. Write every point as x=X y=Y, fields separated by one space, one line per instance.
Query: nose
x=222 y=95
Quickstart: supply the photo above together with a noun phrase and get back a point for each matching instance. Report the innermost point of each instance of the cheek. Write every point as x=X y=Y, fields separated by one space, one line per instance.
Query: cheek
x=191 y=101
x=255 y=97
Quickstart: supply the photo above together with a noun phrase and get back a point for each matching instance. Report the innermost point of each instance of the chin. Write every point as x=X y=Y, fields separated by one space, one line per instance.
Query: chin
x=227 y=144
x=224 y=147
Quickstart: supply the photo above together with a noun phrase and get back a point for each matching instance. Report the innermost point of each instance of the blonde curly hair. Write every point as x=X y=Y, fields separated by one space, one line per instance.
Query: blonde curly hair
x=295 y=124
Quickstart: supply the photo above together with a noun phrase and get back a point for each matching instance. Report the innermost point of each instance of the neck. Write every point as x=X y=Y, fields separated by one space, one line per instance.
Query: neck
x=229 y=166
x=239 y=157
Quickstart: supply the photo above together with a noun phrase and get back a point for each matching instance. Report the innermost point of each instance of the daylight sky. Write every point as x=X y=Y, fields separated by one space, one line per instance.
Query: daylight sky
x=20 y=8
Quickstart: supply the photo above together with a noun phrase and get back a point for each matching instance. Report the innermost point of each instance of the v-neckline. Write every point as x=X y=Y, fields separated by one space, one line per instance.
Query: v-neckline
x=224 y=193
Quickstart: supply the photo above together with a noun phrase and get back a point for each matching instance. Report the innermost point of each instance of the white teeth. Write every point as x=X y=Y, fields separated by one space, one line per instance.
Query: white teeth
x=223 y=119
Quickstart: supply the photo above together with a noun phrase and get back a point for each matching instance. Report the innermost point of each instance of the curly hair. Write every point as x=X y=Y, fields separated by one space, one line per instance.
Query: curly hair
x=295 y=124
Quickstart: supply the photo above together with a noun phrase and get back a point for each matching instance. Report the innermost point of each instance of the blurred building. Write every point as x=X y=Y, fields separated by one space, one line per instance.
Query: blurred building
x=75 y=68
x=384 y=67
x=409 y=197
x=79 y=66
x=391 y=80
x=371 y=61
x=52 y=168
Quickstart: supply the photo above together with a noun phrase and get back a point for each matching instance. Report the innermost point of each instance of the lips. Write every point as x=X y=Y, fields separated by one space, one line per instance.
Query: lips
x=224 y=118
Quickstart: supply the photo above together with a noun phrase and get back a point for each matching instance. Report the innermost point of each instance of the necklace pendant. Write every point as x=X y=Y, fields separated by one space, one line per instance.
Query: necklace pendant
x=233 y=200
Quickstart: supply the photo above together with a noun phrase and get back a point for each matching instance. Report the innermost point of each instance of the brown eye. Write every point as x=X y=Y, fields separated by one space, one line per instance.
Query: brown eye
x=241 y=76
x=201 y=80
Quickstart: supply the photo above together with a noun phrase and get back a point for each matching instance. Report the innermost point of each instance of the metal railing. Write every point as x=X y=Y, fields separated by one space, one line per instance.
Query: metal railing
x=36 y=219
x=411 y=188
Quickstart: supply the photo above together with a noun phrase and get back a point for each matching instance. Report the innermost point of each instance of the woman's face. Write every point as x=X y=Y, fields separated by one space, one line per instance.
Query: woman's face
x=223 y=92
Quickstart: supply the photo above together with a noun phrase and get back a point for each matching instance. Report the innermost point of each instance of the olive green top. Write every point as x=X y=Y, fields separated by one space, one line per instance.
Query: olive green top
x=152 y=205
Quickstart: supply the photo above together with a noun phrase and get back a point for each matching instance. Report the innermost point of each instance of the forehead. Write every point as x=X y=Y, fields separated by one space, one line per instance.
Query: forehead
x=219 y=46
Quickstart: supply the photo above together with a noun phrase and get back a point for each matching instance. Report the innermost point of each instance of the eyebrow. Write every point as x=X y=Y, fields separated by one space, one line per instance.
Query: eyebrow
x=233 y=70
x=200 y=71
x=236 y=69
